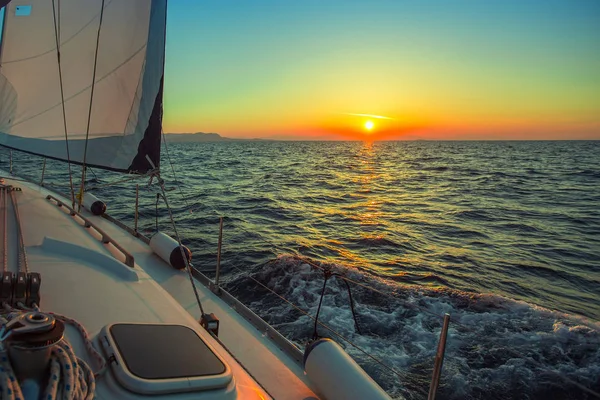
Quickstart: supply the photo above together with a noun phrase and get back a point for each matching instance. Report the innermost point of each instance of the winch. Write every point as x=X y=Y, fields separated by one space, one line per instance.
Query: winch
x=29 y=338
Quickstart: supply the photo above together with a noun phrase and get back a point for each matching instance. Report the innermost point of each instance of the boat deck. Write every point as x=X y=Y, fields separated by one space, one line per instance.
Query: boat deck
x=82 y=279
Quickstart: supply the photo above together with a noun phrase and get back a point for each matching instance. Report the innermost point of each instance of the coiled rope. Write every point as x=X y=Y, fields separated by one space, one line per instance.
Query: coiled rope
x=69 y=376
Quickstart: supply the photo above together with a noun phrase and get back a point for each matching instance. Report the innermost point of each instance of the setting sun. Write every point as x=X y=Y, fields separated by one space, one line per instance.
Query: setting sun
x=369 y=125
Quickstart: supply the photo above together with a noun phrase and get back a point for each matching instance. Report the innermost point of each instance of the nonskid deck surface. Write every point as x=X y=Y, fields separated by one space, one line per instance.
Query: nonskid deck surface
x=281 y=376
x=82 y=279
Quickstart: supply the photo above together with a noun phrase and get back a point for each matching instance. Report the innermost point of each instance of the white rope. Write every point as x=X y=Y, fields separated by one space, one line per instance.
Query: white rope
x=69 y=378
x=87 y=341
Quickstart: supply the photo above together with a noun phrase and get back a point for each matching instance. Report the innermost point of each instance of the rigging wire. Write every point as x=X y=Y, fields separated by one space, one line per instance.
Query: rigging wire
x=326 y=276
x=455 y=321
x=62 y=97
x=351 y=343
x=4 y=202
x=23 y=265
x=173 y=170
x=156 y=211
x=132 y=177
x=345 y=278
x=188 y=265
x=93 y=173
x=87 y=131
x=410 y=305
x=43 y=172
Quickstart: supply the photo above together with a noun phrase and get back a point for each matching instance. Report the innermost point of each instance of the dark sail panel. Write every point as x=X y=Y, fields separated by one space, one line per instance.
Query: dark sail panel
x=150 y=144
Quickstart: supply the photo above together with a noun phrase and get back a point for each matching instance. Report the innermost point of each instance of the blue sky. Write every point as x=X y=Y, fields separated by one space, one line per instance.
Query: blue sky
x=436 y=69
x=490 y=68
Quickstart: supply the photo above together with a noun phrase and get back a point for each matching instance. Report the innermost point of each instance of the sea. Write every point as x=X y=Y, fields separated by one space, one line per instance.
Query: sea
x=504 y=236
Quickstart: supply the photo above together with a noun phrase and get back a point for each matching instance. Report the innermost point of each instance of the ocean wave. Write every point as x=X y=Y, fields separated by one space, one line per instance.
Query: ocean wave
x=585 y=173
x=478 y=226
x=519 y=227
x=423 y=278
x=475 y=215
x=496 y=348
x=380 y=242
x=460 y=232
x=439 y=168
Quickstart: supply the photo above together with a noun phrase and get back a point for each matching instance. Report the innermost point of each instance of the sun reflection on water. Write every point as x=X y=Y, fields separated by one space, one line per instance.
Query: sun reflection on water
x=369 y=211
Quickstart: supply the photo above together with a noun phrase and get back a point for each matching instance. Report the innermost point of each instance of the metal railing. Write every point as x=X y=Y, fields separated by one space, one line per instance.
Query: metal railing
x=283 y=343
x=291 y=349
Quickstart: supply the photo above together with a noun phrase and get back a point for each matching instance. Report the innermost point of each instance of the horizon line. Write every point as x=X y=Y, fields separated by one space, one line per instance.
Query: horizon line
x=391 y=140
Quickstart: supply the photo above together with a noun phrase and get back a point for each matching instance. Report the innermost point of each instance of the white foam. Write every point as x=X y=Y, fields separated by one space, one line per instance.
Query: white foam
x=490 y=341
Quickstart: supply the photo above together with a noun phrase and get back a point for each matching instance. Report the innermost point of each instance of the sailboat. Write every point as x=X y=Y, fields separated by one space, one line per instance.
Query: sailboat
x=90 y=307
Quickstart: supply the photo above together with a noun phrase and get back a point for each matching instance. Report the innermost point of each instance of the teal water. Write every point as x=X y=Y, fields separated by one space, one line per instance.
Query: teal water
x=504 y=236
x=511 y=218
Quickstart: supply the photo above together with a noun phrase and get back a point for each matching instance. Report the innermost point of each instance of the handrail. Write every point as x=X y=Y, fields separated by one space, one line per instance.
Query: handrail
x=129 y=260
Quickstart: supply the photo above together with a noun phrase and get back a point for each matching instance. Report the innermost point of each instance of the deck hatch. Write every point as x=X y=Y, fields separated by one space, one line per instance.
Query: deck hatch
x=163 y=358
x=164 y=351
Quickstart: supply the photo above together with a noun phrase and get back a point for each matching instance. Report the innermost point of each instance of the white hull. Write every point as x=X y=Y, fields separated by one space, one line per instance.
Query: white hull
x=87 y=280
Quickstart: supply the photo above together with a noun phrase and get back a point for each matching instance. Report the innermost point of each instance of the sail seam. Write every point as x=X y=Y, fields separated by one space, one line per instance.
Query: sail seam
x=135 y=97
x=84 y=89
x=62 y=44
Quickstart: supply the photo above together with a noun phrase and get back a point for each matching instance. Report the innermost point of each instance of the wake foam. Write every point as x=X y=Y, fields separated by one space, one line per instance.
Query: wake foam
x=497 y=347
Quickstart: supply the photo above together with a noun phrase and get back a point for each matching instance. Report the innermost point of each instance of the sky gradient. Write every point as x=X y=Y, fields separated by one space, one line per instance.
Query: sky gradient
x=434 y=69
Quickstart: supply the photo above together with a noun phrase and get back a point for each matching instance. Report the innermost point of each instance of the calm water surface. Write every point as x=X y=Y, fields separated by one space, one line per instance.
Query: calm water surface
x=504 y=236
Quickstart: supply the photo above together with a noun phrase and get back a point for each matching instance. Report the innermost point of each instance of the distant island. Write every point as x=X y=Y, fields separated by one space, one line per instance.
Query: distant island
x=199 y=137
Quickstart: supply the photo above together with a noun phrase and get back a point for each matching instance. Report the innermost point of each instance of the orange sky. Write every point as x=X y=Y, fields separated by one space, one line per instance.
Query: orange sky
x=470 y=70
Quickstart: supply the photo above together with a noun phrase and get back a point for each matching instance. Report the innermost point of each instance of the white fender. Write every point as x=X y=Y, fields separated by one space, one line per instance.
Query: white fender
x=93 y=204
x=336 y=375
x=168 y=249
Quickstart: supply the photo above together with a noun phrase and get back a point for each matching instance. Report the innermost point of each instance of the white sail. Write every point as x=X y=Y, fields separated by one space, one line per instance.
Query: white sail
x=128 y=58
